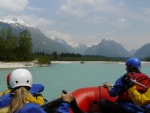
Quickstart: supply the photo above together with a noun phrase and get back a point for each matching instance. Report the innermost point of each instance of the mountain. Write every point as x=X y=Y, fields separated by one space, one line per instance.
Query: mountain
x=108 y=48
x=41 y=43
x=62 y=44
x=143 y=52
x=132 y=52
x=79 y=48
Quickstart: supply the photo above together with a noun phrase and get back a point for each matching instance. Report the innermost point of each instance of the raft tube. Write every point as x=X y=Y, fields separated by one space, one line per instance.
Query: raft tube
x=88 y=98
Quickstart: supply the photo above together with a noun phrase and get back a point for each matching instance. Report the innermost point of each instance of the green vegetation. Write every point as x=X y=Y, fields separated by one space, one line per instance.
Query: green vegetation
x=19 y=48
x=78 y=57
x=15 y=48
x=147 y=59
x=43 y=60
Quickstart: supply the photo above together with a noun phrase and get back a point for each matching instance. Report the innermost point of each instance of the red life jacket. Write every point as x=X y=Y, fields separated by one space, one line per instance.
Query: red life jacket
x=140 y=78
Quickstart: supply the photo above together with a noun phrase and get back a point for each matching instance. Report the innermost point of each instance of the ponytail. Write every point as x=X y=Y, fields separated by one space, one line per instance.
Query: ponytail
x=19 y=96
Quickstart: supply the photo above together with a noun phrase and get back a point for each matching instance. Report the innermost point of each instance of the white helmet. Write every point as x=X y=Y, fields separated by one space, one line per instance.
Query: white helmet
x=20 y=77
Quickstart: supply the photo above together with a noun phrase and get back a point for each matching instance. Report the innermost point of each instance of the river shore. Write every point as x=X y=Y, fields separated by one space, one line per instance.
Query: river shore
x=34 y=63
x=17 y=64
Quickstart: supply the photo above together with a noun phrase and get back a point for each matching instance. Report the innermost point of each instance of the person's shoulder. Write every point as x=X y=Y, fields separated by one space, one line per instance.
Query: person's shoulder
x=5 y=96
x=36 y=88
x=120 y=78
x=119 y=81
x=32 y=108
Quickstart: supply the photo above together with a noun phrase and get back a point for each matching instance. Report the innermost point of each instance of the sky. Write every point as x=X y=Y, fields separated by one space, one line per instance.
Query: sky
x=85 y=21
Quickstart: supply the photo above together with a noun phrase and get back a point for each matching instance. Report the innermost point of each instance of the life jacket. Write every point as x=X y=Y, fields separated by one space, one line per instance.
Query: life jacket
x=5 y=98
x=140 y=78
x=4 y=110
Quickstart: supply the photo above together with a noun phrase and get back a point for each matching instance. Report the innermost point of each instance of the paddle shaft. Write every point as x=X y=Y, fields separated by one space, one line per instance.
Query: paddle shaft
x=134 y=81
x=139 y=84
x=50 y=102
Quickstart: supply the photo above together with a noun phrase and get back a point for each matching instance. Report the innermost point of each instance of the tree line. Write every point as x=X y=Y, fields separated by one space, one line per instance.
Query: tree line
x=15 y=48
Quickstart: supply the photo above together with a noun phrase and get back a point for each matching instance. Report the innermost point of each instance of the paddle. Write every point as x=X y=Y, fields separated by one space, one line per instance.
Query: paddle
x=56 y=103
x=134 y=81
x=58 y=100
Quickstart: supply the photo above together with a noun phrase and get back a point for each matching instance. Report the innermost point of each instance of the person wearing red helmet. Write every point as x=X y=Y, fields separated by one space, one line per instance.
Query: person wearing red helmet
x=35 y=90
x=20 y=83
x=8 y=79
x=8 y=85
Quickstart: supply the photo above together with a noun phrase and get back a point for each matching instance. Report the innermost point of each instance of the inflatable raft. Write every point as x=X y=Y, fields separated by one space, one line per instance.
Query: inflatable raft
x=87 y=99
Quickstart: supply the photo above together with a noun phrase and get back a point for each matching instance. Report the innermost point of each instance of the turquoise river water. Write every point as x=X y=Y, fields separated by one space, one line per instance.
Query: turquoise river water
x=73 y=75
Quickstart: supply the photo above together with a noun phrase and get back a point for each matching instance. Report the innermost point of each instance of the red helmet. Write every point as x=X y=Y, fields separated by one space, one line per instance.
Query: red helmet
x=8 y=81
x=8 y=78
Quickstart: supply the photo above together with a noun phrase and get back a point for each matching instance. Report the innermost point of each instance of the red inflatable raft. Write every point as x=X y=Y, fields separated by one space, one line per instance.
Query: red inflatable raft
x=88 y=98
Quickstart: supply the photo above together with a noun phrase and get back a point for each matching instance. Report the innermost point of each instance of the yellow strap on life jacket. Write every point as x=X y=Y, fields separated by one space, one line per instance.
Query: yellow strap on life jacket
x=1 y=93
x=4 y=110
x=39 y=100
x=6 y=92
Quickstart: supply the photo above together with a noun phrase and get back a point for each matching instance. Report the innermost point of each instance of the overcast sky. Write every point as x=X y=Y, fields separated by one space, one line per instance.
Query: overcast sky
x=85 y=21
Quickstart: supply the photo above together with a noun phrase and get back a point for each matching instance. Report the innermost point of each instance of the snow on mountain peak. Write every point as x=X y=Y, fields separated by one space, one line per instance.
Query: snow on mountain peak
x=56 y=39
x=15 y=21
x=73 y=44
x=77 y=45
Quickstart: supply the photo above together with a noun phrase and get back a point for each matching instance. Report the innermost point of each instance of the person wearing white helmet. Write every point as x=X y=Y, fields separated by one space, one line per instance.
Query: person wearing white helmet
x=35 y=90
x=21 y=82
x=20 y=77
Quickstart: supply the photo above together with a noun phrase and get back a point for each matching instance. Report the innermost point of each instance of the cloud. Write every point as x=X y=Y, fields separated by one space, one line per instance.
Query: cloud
x=34 y=9
x=121 y=23
x=147 y=11
x=63 y=36
x=84 y=21
x=13 y=5
x=41 y=23
x=122 y=20
x=74 y=9
x=95 y=19
x=37 y=21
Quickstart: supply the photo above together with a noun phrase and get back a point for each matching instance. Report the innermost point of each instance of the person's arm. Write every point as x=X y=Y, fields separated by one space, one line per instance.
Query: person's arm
x=31 y=108
x=107 y=86
x=64 y=108
x=138 y=98
x=116 y=89
x=74 y=106
x=65 y=105
x=5 y=100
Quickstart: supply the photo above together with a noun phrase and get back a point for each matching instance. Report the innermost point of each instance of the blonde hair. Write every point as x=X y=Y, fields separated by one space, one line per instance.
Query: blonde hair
x=18 y=99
